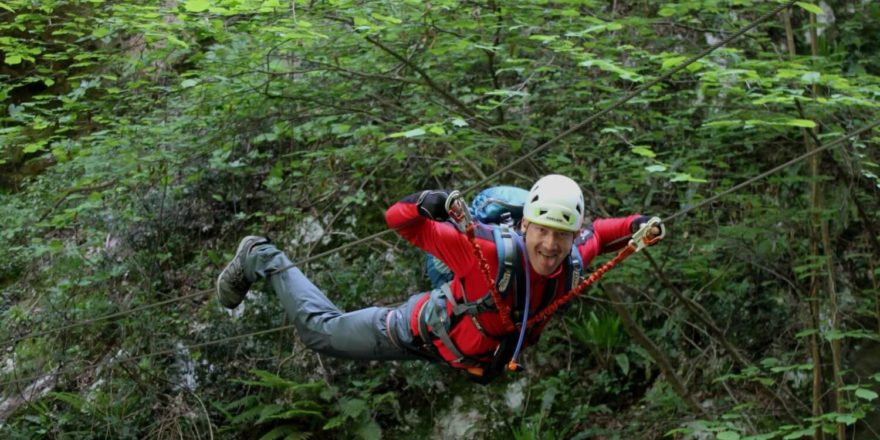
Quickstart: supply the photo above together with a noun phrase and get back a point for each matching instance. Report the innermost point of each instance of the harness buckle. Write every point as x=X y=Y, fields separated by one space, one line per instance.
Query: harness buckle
x=476 y=371
x=458 y=211
x=640 y=238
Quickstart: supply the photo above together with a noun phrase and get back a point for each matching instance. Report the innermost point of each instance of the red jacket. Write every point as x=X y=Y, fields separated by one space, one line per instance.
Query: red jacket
x=445 y=242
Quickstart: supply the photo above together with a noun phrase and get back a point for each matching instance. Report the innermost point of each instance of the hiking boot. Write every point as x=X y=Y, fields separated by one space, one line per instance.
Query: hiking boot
x=232 y=284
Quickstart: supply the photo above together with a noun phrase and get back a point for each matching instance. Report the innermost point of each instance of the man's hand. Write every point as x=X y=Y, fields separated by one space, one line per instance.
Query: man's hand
x=432 y=205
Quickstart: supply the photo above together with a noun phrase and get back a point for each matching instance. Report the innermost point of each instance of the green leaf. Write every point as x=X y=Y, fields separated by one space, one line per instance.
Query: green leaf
x=386 y=18
x=283 y=431
x=33 y=147
x=864 y=393
x=197 y=5
x=685 y=177
x=187 y=83
x=369 y=431
x=728 y=435
x=623 y=362
x=809 y=7
x=438 y=130
x=643 y=151
x=807 y=332
x=847 y=419
x=353 y=407
x=655 y=168
x=13 y=59
x=672 y=62
x=177 y=41
x=806 y=432
x=4 y=6
x=811 y=77
x=334 y=422
x=408 y=134
x=805 y=123
x=101 y=32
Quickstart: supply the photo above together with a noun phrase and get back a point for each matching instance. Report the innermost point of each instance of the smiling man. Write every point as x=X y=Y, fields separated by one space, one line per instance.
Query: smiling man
x=460 y=323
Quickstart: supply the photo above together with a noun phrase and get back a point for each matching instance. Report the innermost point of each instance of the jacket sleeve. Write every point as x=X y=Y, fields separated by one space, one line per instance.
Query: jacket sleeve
x=606 y=235
x=441 y=239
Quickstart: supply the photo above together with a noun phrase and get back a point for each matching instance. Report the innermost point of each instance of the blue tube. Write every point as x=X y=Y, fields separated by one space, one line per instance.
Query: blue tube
x=525 y=319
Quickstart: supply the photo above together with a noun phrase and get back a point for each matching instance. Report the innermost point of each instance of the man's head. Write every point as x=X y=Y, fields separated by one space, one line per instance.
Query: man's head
x=552 y=216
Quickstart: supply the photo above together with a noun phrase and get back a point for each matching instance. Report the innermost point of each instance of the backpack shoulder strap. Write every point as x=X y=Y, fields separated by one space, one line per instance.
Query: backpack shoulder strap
x=506 y=250
x=574 y=269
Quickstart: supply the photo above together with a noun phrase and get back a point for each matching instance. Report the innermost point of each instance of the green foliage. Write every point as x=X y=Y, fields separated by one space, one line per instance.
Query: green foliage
x=289 y=409
x=139 y=140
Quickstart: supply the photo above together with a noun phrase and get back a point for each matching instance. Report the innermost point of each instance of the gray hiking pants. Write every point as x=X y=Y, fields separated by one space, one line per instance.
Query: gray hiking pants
x=374 y=333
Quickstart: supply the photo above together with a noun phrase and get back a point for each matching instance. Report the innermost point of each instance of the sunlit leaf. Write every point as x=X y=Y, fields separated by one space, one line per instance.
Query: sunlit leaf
x=809 y=7
x=800 y=123
x=197 y=5
x=643 y=151
x=409 y=133
x=864 y=393
x=728 y=435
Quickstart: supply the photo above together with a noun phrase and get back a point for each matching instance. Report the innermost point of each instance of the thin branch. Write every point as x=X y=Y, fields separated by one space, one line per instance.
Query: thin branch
x=83 y=189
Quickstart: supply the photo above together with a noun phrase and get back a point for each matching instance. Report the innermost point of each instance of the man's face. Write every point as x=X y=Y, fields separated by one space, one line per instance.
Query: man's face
x=546 y=247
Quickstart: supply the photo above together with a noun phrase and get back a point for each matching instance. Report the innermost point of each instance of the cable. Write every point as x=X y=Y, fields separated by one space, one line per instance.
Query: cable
x=102 y=318
x=157 y=353
x=754 y=179
x=636 y=92
x=748 y=182
x=626 y=98
x=598 y=114
x=73 y=325
x=677 y=214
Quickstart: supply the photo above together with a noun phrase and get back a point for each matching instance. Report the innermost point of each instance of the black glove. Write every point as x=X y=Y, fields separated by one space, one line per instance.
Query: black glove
x=432 y=204
x=637 y=223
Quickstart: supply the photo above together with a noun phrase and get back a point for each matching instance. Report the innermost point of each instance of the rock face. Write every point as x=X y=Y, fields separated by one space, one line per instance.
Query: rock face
x=459 y=422
x=37 y=389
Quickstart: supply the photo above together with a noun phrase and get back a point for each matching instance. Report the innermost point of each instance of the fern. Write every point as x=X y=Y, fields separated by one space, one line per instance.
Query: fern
x=287 y=432
x=74 y=400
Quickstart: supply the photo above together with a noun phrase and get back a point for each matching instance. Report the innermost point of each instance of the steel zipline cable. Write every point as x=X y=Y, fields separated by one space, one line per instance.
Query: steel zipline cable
x=619 y=102
x=159 y=353
x=715 y=197
x=774 y=170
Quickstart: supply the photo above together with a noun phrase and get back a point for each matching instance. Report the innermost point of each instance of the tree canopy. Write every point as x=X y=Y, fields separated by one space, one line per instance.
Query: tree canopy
x=141 y=140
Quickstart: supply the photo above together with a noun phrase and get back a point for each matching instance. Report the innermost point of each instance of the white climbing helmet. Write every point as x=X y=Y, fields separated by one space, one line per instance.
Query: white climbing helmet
x=557 y=202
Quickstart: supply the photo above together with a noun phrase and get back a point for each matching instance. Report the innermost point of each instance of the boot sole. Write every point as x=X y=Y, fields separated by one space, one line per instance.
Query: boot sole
x=244 y=241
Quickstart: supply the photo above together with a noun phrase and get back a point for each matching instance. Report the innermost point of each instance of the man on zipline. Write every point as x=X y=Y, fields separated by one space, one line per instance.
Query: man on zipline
x=469 y=323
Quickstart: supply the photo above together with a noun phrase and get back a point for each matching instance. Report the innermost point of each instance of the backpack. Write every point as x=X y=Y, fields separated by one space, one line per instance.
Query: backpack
x=495 y=205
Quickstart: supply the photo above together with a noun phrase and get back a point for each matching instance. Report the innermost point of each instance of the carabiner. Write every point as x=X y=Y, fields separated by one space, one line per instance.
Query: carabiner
x=640 y=238
x=458 y=211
